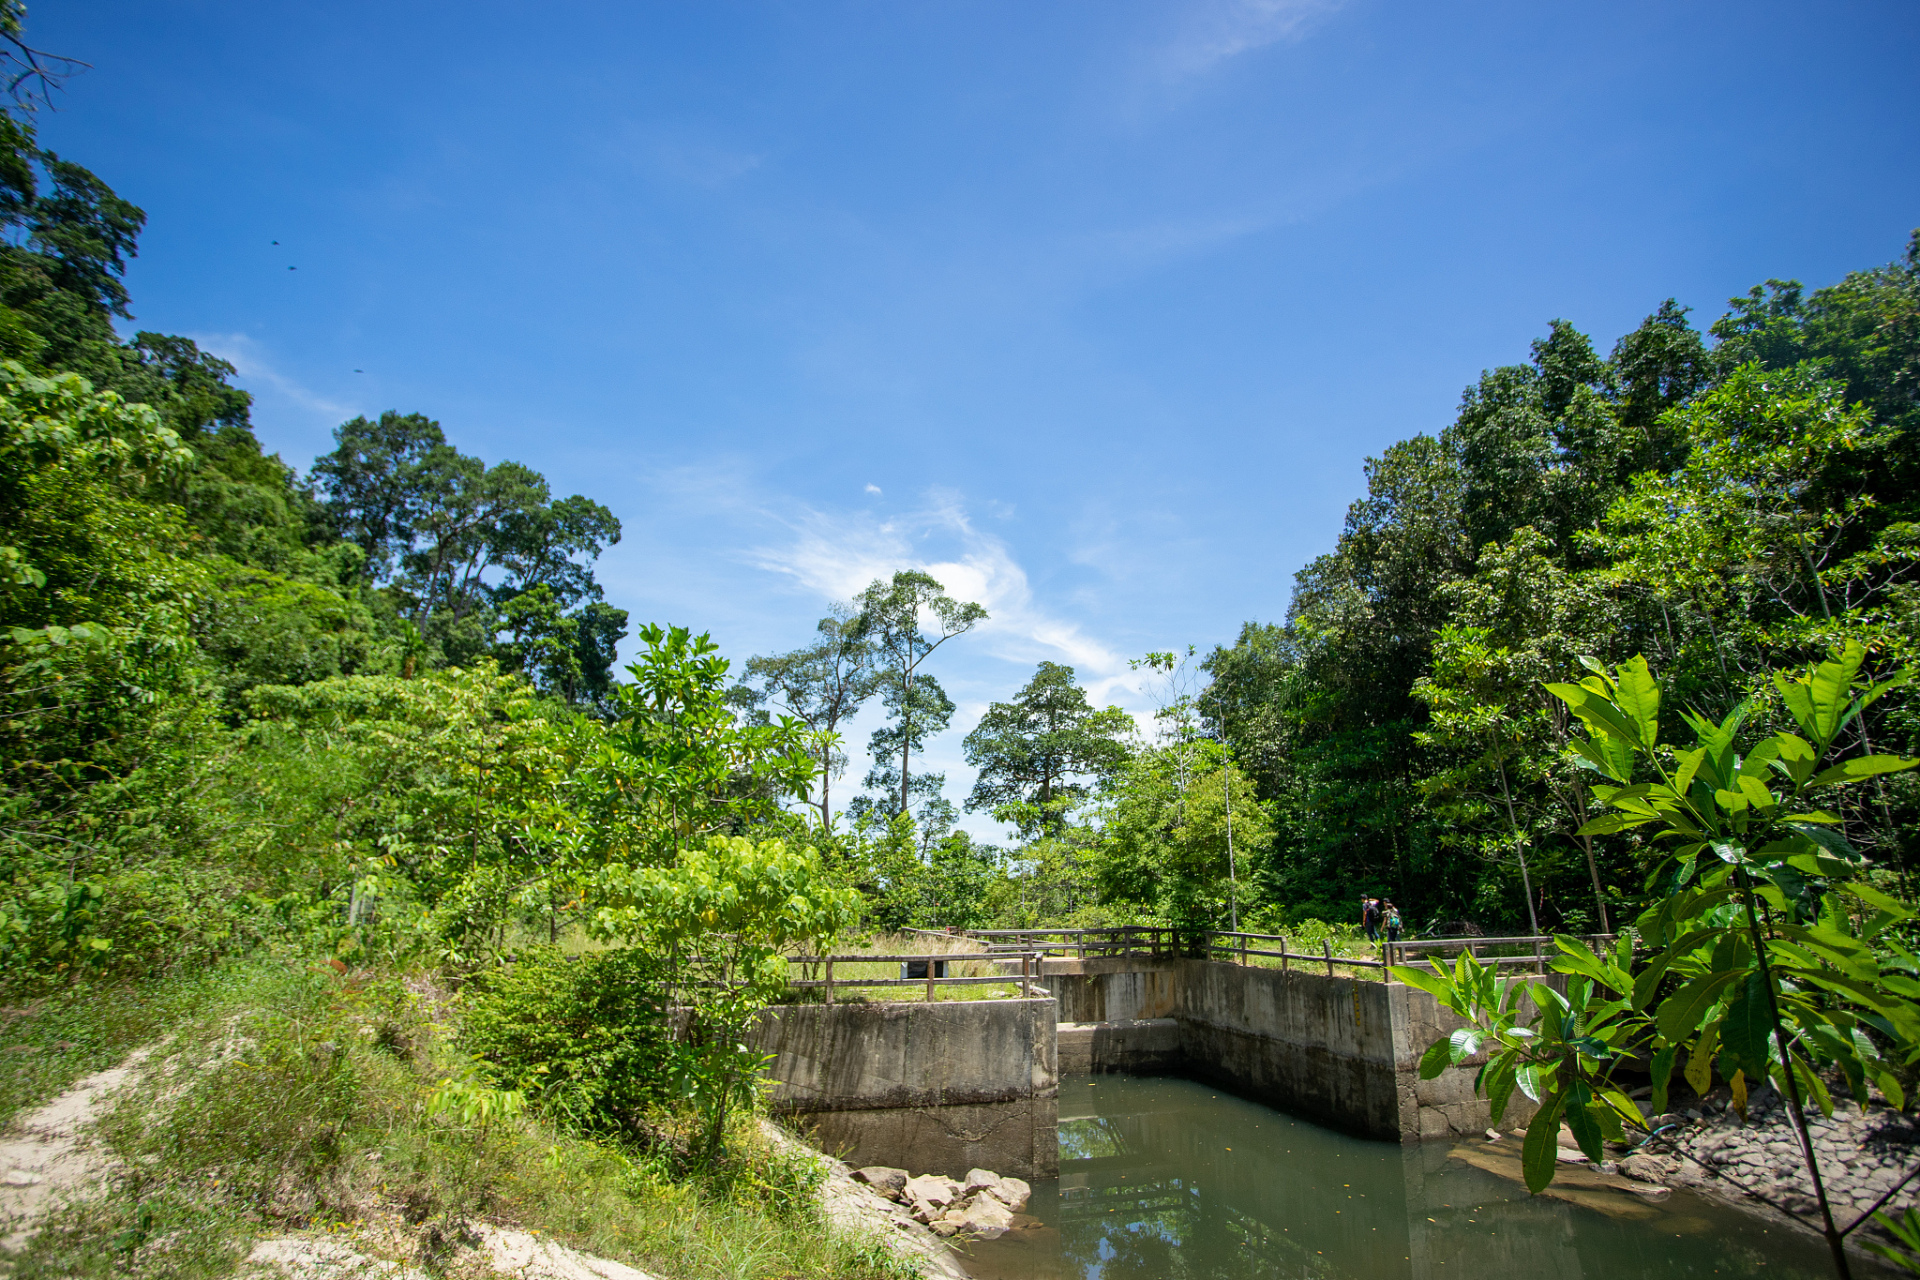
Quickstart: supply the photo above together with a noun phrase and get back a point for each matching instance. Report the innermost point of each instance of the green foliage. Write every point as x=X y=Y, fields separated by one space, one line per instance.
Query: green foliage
x=1030 y=751
x=723 y=915
x=585 y=1038
x=1725 y=510
x=1165 y=843
x=890 y=620
x=1771 y=956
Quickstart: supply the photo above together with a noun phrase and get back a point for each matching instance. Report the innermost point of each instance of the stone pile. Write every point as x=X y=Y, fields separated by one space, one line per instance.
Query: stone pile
x=981 y=1208
x=1862 y=1156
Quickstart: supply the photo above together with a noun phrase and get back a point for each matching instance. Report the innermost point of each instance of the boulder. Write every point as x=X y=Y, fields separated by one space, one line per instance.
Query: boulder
x=888 y=1181
x=983 y=1218
x=980 y=1180
x=932 y=1189
x=1012 y=1192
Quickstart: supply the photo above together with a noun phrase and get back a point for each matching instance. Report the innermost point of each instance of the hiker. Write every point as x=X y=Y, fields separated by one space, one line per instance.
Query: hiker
x=1370 y=917
x=1391 y=914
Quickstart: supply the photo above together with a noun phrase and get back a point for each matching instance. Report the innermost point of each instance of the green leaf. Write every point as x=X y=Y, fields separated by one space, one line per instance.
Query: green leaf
x=1435 y=984
x=1437 y=1058
x=1464 y=1043
x=1539 y=1153
x=1681 y=1013
x=1662 y=1074
x=1500 y=1081
x=1639 y=697
x=1756 y=792
x=1699 y=1072
x=1860 y=767
x=1528 y=1078
x=1874 y=898
x=1747 y=1030
x=1586 y=1132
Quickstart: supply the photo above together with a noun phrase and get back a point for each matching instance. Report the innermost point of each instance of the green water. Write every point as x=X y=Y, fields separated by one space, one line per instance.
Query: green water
x=1166 y=1178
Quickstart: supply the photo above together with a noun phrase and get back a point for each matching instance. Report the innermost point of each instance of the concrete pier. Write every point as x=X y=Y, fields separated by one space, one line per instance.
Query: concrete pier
x=936 y=1087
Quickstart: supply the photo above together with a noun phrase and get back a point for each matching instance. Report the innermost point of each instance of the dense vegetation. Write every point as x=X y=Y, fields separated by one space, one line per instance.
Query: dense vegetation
x=368 y=713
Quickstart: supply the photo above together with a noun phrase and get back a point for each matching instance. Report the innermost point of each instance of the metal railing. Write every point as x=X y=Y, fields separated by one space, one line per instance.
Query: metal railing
x=935 y=972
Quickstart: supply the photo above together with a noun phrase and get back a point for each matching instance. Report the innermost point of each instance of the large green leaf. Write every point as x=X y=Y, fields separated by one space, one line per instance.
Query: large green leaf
x=1639 y=698
x=1586 y=1131
x=1539 y=1153
x=1863 y=767
x=1747 y=1030
x=1437 y=1058
x=1434 y=984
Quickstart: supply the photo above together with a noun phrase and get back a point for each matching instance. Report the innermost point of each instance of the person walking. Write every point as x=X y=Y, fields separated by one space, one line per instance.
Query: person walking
x=1391 y=915
x=1370 y=916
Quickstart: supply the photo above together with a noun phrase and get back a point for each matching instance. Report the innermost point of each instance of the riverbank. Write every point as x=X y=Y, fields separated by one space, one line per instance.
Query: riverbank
x=1755 y=1164
x=299 y=1105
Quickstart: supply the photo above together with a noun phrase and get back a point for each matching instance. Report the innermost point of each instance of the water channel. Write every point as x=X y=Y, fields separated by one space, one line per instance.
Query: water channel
x=1163 y=1178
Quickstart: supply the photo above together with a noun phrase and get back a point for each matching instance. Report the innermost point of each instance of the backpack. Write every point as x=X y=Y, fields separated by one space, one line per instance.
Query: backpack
x=1393 y=919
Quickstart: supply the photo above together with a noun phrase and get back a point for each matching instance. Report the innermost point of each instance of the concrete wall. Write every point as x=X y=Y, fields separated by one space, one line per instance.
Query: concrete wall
x=940 y=1087
x=1344 y=1051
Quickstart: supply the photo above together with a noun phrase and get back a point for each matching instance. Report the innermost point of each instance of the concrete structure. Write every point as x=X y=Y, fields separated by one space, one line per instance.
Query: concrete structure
x=934 y=1087
x=1344 y=1051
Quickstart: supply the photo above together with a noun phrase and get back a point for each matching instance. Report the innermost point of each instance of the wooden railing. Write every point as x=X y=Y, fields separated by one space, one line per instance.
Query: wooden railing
x=935 y=975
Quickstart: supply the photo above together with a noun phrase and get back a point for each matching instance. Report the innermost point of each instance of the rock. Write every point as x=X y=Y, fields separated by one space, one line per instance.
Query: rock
x=944 y=1228
x=1643 y=1167
x=888 y=1181
x=1013 y=1193
x=980 y=1180
x=934 y=1189
x=983 y=1218
x=1648 y=1191
x=22 y=1178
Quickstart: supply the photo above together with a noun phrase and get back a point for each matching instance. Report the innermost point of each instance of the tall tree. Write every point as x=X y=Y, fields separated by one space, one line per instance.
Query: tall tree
x=822 y=685
x=890 y=618
x=1035 y=753
x=919 y=710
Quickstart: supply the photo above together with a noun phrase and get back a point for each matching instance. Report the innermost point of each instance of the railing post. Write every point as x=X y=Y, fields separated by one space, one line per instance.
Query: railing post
x=1026 y=982
x=1243 y=951
x=929 y=979
x=1326 y=949
x=1284 y=966
x=829 y=979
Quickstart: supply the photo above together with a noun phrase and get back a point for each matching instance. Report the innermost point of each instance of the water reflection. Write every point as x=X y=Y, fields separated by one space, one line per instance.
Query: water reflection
x=1166 y=1178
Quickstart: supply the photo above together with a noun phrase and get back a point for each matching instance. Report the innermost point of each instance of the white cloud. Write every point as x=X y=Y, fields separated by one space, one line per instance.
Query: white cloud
x=245 y=354
x=1224 y=29
x=874 y=489
x=837 y=555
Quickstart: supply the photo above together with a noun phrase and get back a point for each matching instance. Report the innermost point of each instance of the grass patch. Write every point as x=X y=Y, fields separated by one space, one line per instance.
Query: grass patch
x=293 y=1099
x=48 y=1042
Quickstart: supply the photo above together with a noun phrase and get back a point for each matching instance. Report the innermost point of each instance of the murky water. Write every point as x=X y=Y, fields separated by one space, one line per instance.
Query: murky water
x=1164 y=1178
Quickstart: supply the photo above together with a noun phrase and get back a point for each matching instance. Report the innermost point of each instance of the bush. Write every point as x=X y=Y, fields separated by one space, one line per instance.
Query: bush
x=586 y=1038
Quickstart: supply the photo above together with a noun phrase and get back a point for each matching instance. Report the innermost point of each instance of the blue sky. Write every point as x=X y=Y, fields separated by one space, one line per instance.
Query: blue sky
x=1094 y=309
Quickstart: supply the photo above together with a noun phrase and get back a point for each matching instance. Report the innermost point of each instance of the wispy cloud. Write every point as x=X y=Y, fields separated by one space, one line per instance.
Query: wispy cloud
x=837 y=554
x=1220 y=31
x=246 y=355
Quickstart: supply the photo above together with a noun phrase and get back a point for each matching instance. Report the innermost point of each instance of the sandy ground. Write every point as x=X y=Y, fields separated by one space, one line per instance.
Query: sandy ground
x=46 y=1156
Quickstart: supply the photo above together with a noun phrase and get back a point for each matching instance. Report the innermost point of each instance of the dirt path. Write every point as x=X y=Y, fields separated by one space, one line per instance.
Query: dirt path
x=46 y=1156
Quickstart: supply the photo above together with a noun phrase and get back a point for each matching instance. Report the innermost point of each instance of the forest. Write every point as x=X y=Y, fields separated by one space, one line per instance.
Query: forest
x=244 y=697
x=370 y=711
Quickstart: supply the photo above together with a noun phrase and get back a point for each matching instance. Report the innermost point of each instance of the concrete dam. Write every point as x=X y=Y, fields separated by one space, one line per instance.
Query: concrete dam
x=945 y=1086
